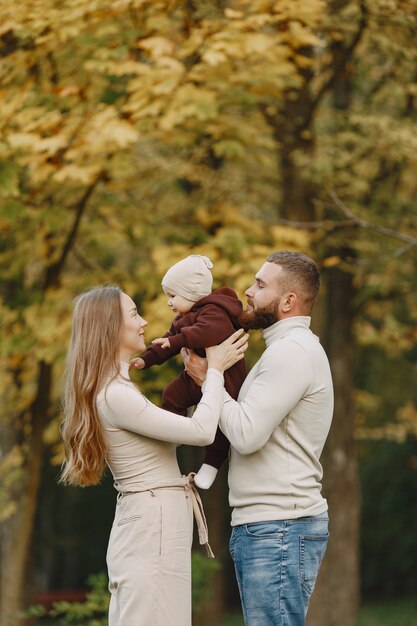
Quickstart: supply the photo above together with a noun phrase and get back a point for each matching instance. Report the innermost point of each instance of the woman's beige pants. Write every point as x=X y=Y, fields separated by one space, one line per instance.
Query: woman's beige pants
x=149 y=559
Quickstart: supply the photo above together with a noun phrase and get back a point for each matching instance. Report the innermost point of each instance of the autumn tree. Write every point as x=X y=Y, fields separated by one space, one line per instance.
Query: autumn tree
x=113 y=117
x=134 y=131
x=373 y=179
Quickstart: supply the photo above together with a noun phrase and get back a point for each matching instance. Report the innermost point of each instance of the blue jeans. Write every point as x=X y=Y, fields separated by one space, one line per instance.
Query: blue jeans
x=276 y=567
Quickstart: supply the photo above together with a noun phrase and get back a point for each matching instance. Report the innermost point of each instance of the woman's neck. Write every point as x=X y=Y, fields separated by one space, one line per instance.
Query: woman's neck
x=124 y=356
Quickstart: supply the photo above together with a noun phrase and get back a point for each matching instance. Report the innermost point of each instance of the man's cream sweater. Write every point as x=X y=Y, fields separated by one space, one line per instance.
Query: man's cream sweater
x=278 y=426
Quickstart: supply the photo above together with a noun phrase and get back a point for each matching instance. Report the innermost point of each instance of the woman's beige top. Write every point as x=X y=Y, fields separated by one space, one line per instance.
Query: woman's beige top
x=141 y=438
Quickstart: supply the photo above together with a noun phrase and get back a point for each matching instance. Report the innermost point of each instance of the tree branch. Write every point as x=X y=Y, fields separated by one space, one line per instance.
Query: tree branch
x=355 y=221
x=312 y=101
x=411 y=241
x=328 y=225
x=53 y=272
x=338 y=68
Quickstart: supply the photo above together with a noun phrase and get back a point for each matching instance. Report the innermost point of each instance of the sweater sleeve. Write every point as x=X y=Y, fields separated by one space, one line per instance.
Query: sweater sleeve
x=212 y=326
x=124 y=406
x=284 y=374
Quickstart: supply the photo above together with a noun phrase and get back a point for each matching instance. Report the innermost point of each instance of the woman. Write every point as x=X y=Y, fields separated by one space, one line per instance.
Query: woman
x=108 y=420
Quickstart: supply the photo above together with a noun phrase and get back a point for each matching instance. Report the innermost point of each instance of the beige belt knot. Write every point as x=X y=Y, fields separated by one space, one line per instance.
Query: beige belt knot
x=186 y=482
x=199 y=515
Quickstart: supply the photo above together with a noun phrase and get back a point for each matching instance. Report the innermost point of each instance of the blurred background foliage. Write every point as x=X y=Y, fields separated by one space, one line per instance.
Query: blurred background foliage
x=135 y=132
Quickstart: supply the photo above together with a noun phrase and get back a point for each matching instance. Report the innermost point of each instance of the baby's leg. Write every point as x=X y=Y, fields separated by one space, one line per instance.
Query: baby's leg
x=217 y=452
x=180 y=394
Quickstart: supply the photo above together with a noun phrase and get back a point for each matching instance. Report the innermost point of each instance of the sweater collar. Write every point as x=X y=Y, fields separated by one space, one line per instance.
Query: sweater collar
x=283 y=327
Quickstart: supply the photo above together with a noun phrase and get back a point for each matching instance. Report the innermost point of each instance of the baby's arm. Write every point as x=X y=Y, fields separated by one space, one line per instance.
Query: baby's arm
x=139 y=363
x=156 y=354
x=163 y=342
x=213 y=326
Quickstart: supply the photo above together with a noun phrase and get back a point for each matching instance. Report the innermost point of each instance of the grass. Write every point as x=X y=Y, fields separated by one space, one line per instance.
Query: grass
x=394 y=613
x=234 y=621
x=400 y=613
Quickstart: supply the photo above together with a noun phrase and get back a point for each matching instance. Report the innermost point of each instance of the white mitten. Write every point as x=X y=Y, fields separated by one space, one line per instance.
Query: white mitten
x=205 y=476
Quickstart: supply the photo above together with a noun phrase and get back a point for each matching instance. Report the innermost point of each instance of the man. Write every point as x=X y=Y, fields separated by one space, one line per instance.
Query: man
x=277 y=429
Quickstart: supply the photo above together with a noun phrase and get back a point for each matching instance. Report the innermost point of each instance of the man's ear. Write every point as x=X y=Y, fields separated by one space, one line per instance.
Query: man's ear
x=289 y=301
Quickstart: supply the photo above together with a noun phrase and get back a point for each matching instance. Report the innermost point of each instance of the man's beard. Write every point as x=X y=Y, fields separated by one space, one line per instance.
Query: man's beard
x=260 y=319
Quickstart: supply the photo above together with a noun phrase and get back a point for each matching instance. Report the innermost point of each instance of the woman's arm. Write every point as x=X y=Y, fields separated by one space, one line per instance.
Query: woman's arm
x=125 y=407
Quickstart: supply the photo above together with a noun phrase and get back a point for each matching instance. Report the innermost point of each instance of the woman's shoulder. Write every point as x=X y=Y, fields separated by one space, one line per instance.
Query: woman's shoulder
x=119 y=391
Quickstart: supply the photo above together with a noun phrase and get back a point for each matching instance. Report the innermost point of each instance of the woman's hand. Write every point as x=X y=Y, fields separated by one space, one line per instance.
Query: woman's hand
x=229 y=352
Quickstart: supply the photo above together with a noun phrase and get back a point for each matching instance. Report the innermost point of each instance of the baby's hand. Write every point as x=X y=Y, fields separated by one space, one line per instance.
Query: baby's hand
x=138 y=363
x=162 y=341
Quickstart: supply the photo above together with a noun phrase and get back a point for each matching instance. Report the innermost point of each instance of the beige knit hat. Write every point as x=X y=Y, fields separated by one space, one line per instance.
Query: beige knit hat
x=190 y=278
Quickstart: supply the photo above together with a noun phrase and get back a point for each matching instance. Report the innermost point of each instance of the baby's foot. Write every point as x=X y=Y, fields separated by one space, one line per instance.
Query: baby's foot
x=205 y=476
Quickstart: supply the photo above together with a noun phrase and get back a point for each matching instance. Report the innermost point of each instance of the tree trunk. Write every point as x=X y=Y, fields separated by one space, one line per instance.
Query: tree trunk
x=16 y=533
x=339 y=578
x=336 y=598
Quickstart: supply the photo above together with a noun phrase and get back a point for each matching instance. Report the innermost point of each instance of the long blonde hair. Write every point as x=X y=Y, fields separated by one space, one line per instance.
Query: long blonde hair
x=92 y=358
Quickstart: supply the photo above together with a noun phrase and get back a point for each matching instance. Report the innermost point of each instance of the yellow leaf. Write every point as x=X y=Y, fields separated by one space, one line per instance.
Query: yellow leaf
x=310 y=11
x=189 y=102
x=68 y=90
x=23 y=140
x=287 y=236
x=214 y=57
x=157 y=46
x=76 y=173
x=51 y=144
x=331 y=261
x=232 y=14
x=258 y=43
x=122 y=134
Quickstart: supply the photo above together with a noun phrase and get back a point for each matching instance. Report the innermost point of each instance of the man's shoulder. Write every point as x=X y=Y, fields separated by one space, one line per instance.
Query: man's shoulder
x=289 y=343
x=296 y=343
x=302 y=335
x=307 y=342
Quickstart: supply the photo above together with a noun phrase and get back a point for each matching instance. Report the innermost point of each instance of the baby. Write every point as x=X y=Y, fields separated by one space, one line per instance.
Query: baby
x=204 y=318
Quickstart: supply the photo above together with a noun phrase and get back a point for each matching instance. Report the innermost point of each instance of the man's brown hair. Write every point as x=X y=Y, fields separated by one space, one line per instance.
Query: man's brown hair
x=301 y=275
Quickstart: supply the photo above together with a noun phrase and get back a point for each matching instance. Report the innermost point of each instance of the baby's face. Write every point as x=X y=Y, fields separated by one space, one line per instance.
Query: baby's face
x=177 y=303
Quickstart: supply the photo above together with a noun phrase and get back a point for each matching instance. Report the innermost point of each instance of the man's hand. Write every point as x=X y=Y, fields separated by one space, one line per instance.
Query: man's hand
x=162 y=341
x=138 y=363
x=195 y=366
